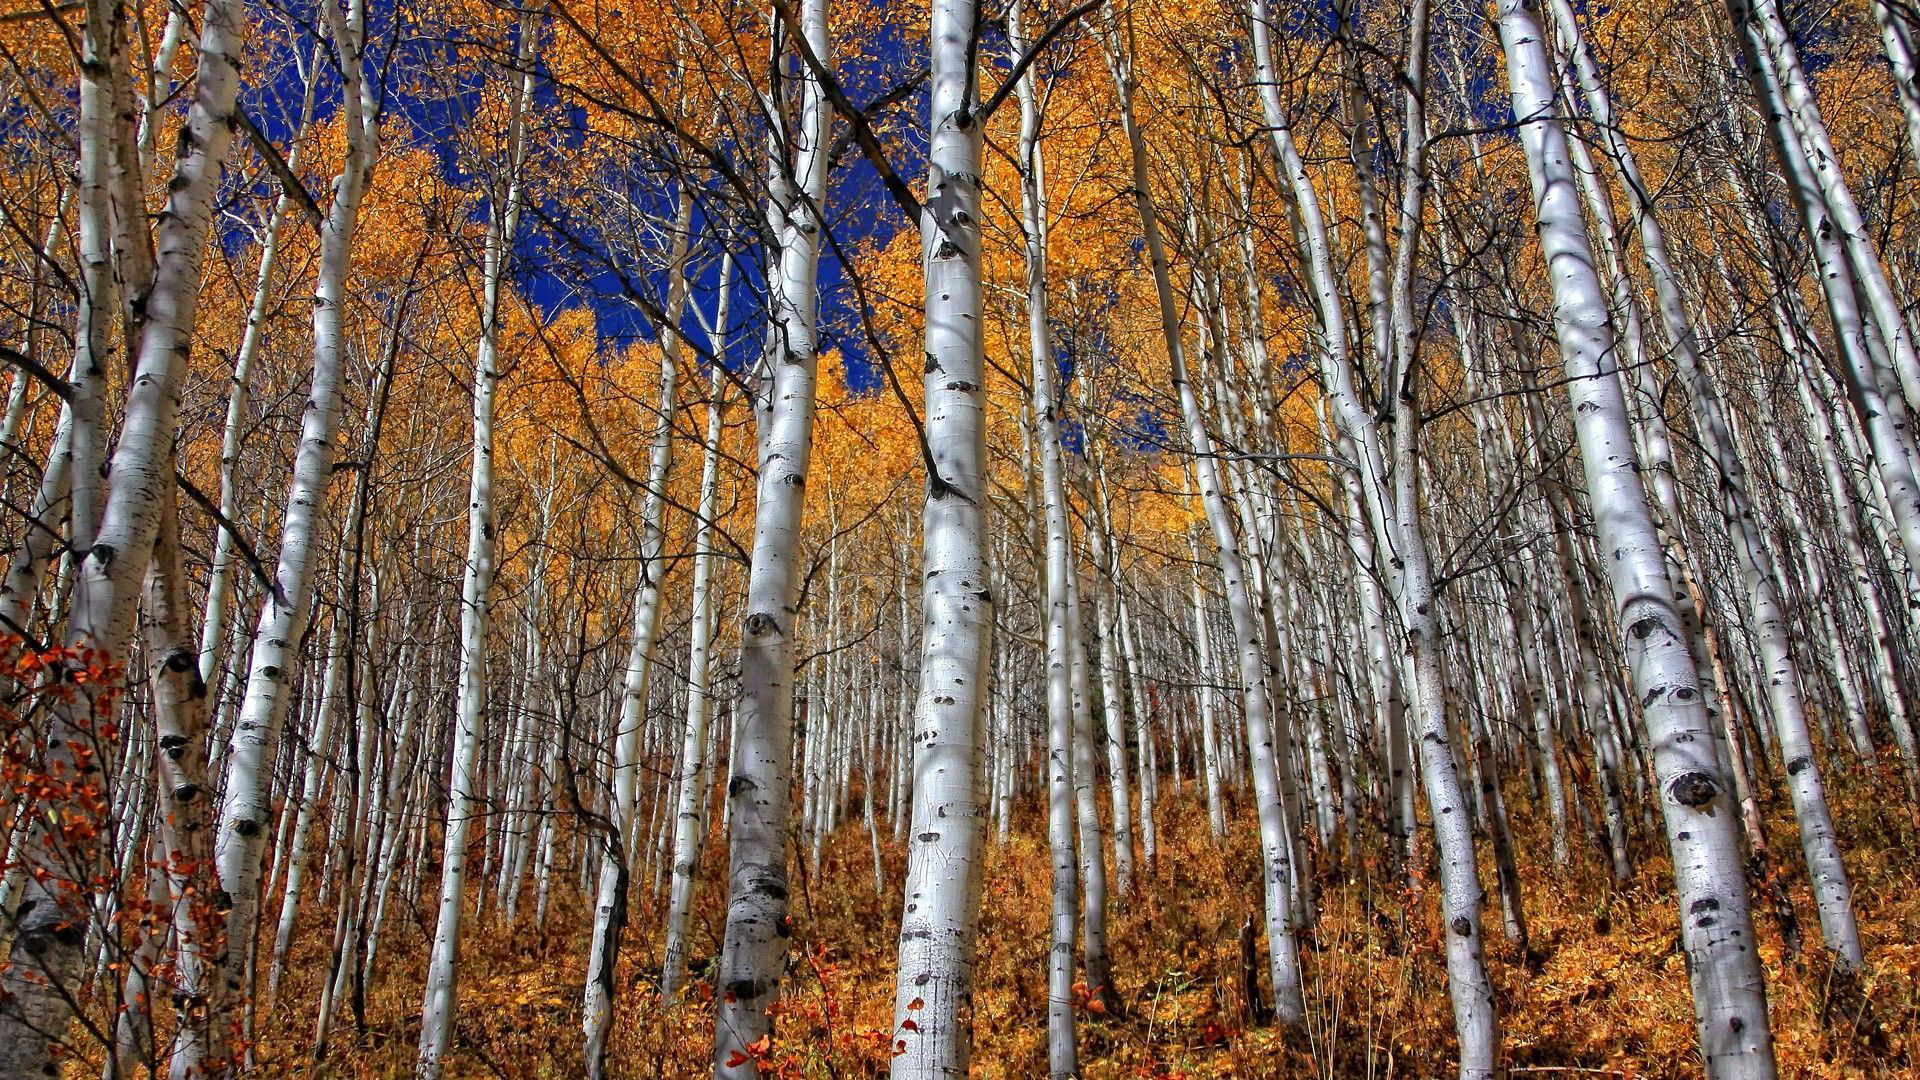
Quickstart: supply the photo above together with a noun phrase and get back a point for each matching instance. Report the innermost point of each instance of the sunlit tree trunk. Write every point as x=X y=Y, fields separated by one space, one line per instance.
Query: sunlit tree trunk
x=437 y=1012
x=690 y=817
x=620 y=838
x=1717 y=928
x=1782 y=680
x=1276 y=841
x=284 y=612
x=933 y=998
x=753 y=961
x=1209 y=737
x=1062 y=1046
x=220 y=576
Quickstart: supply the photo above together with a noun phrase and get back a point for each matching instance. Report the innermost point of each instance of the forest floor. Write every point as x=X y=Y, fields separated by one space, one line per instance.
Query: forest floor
x=1601 y=992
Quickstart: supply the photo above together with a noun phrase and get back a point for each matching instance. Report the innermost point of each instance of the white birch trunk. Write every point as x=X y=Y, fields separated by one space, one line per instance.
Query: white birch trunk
x=620 y=841
x=1276 y=841
x=285 y=610
x=220 y=577
x=44 y=961
x=1717 y=927
x=1062 y=1047
x=690 y=817
x=437 y=1011
x=934 y=991
x=752 y=964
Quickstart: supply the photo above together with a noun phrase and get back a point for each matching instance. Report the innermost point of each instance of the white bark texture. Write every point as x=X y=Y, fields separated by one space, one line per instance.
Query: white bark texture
x=752 y=963
x=44 y=962
x=938 y=925
x=285 y=610
x=1729 y=989
x=470 y=715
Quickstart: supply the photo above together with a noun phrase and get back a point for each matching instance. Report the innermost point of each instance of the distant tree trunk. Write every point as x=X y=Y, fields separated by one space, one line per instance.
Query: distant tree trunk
x=1209 y=736
x=469 y=723
x=1276 y=840
x=690 y=817
x=620 y=837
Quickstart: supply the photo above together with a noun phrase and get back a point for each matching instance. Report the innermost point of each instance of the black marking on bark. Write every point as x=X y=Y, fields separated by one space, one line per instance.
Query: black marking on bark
x=1693 y=789
x=746 y=989
x=1461 y=926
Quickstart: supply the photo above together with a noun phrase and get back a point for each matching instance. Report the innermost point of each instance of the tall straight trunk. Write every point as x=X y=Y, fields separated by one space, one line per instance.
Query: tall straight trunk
x=1148 y=762
x=752 y=963
x=1766 y=23
x=620 y=838
x=319 y=752
x=1832 y=893
x=285 y=610
x=180 y=728
x=1897 y=40
x=940 y=922
x=44 y=961
x=469 y=723
x=98 y=236
x=1209 y=737
x=220 y=576
x=1062 y=1047
x=1095 y=957
x=1395 y=515
x=1876 y=392
x=1113 y=709
x=690 y=817
x=1475 y=1018
x=1276 y=840
x=1729 y=987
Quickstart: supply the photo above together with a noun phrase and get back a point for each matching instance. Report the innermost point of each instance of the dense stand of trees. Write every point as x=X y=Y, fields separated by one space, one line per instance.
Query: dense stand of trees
x=465 y=476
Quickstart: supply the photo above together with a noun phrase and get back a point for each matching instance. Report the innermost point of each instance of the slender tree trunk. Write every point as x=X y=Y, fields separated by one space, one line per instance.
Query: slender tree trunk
x=752 y=964
x=1276 y=841
x=469 y=724
x=934 y=992
x=690 y=818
